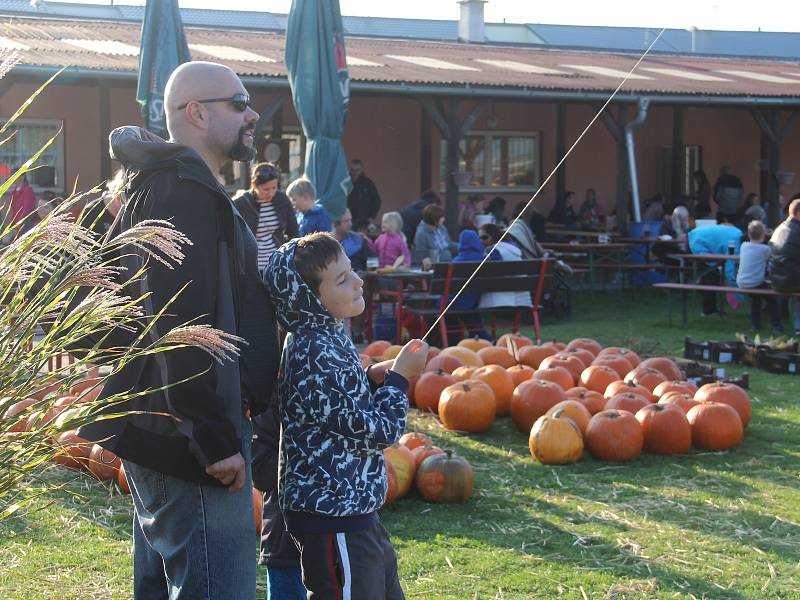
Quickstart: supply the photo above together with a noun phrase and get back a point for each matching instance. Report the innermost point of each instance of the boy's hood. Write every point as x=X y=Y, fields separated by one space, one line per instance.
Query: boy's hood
x=469 y=241
x=296 y=304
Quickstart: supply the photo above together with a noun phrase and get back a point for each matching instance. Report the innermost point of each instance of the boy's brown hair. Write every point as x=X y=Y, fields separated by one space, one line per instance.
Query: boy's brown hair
x=313 y=254
x=756 y=230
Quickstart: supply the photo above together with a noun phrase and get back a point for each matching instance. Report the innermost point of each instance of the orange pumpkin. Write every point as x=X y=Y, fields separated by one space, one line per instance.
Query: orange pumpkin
x=448 y=364
x=366 y=360
x=520 y=341
x=445 y=478
x=715 y=426
x=422 y=452
x=589 y=344
x=88 y=390
x=429 y=389
x=646 y=377
x=628 y=402
x=593 y=401
x=474 y=343
x=571 y=409
x=683 y=401
x=391 y=352
x=668 y=367
x=412 y=391
x=497 y=378
x=403 y=462
x=45 y=388
x=18 y=410
x=465 y=355
x=414 y=439
x=495 y=355
x=72 y=450
x=558 y=375
x=534 y=355
x=598 y=377
x=621 y=387
x=684 y=387
x=376 y=348
x=258 y=509
x=391 y=484
x=433 y=352
x=531 y=399
x=103 y=463
x=555 y=441
x=619 y=364
x=520 y=373
x=730 y=394
x=614 y=435
x=463 y=373
x=665 y=428
x=570 y=363
x=586 y=357
x=467 y=406
x=625 y=353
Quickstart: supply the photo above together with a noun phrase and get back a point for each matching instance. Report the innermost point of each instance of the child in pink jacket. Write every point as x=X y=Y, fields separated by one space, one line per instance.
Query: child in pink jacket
x=392 y=243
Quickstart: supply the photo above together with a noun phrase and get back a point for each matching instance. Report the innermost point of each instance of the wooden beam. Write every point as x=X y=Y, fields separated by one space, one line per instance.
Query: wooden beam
x=676 y=174
x=435 y=113
x=104 y=101
x=272 y=107
x=451 y=167
x=426 y=152
x=561 y=148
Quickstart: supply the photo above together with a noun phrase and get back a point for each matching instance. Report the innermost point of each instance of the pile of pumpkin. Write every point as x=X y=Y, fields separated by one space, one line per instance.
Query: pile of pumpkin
x=49 y=407
x=438 y=475
x=569 y=396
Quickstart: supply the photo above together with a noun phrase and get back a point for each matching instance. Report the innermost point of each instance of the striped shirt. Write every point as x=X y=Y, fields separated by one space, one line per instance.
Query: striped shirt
x=268 y=223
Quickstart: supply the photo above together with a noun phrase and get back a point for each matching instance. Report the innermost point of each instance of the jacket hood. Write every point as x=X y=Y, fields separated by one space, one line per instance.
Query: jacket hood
x=296 y=305
x=140 y=150
x=470 y=245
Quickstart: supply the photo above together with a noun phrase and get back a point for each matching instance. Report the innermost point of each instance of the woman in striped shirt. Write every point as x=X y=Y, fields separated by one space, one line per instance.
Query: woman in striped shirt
x=267 y=211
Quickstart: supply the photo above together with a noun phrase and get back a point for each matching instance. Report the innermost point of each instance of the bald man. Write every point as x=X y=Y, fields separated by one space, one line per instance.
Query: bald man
x=186 y=446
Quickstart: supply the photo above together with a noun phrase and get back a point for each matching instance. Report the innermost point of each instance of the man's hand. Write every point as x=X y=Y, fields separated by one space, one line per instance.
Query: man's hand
x=229 y=471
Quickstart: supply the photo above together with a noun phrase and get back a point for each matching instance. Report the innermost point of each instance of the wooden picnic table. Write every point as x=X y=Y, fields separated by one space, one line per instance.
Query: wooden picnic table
x=598 y=254
x=400 y=279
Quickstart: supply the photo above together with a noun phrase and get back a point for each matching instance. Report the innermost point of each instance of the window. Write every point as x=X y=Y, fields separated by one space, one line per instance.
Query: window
x=496 y=161
x=27 y=138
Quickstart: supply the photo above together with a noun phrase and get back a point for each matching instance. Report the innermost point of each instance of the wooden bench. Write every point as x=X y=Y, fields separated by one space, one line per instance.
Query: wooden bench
x=685 y=288
x=533 y=276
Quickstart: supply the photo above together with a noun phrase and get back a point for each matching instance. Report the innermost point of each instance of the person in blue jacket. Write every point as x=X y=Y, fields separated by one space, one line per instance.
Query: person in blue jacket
x=335 y=422
x=311 y=216
x=470 y=249
x=722 y=238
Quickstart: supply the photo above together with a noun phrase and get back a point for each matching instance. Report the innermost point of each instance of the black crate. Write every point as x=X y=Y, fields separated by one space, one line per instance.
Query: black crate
x=696 y=350
x=779 y=362
x=724 y=352
x=712 y=351
x=743 y=381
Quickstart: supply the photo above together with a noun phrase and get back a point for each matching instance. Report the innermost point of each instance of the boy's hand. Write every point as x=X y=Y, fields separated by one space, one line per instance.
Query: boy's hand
x=229 y=472
x=377 y=371
x=411 y=359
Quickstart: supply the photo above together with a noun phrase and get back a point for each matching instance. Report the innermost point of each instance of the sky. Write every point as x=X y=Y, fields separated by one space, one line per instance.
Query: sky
x=743 y=15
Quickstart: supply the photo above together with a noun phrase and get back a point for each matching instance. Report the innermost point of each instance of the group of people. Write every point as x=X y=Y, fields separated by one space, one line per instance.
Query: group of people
x=186 y=435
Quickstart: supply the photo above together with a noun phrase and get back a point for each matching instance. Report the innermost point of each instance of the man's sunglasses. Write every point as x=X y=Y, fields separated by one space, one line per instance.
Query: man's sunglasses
x=240 y=102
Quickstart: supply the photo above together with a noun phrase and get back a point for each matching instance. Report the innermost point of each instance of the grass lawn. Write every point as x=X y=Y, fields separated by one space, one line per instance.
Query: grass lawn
x=721 y=525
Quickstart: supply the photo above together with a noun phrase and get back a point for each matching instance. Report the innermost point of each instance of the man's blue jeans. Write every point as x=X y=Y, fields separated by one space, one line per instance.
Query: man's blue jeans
x=190 y=541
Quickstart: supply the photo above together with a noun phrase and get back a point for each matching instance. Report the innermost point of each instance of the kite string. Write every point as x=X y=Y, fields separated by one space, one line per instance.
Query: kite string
x=546 y=181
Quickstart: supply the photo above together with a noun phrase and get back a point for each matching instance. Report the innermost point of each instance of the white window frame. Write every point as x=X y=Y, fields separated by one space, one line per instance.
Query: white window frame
x=489 y=134
x=58 y=144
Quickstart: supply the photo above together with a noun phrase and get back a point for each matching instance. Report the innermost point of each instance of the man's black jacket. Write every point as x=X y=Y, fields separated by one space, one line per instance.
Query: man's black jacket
x=192 y=424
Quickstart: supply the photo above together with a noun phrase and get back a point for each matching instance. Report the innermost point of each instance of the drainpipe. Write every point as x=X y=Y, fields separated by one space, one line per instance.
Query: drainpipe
x=643 y=104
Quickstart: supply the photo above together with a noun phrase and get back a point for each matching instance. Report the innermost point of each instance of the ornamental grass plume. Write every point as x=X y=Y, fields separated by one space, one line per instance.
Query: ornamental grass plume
x=64 y=293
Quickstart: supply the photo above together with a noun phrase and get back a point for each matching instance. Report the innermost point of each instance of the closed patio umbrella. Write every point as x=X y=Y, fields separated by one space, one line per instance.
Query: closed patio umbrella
x=317 y=71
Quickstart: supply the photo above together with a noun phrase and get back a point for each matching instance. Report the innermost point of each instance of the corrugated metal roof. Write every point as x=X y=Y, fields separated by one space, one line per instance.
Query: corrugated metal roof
x=427 y=63
x=727 y=43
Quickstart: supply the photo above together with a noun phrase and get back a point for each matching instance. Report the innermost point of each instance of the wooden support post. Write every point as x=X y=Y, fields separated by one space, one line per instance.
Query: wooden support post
x=616 y=127
x=426 y=152
x=561 y=148
x=104 y=101
x=773 y=133
x=676 y=176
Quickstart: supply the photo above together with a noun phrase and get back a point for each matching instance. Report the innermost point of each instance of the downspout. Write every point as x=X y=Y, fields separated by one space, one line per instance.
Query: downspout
x=640 y=117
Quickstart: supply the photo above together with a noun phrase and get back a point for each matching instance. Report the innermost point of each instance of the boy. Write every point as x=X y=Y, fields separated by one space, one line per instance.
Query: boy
x=753 y=259
x=332 y=478
x=311 y=217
